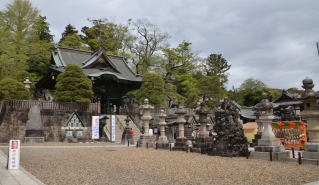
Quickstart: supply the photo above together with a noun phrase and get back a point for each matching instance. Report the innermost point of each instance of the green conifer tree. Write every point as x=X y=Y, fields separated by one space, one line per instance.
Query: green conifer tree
x=73 y=86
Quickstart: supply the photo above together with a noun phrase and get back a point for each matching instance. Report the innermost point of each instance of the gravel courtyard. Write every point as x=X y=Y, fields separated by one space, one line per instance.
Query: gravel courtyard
x=148 y=166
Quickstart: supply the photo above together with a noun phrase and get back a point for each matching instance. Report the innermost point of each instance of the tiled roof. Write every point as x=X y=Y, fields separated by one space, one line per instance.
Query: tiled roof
x=86 y=59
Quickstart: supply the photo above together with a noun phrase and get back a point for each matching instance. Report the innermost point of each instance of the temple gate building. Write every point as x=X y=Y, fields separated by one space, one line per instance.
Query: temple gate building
x=111 y=76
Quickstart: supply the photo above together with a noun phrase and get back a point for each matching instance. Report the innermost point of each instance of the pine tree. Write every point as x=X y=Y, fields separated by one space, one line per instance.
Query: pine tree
x=73 y=86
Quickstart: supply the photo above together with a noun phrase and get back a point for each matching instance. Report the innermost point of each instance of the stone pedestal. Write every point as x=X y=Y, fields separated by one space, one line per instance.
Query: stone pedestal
x=145 y=141
x=145 y=111
x=203 y=145
x=180 y=144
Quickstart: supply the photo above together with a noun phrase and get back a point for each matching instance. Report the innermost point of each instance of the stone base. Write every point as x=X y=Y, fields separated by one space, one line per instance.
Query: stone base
x=311 y=151
x=269 y=148
x=34 y=133
x=180 y=144
x=310 y=155
x=312 y=147
x=276 y=156
x=70 y=140
x=34 y=139
x=311 y=161
x=145 y=141
x=162 y=142
x=163 y=145
x=202 y=145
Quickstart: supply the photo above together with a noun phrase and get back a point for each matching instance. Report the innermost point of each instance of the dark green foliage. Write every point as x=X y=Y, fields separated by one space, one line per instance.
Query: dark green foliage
x=103 y=33
x=42 y=29
x=252 y=84
x=250 y=92
x=12 y=89
x=71 y=39
x=153 y=89
x=178 y=60
x=69 y=30
x=73 y=86
x=210 y=90
x=217 y=65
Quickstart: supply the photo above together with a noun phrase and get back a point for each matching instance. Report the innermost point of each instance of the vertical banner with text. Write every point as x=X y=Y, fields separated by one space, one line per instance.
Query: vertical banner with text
x=113 y=123
x=95 y=127
x=14 y=154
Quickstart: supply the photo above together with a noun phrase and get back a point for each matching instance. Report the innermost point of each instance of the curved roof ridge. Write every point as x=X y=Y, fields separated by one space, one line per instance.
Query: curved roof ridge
x=75 y=49
x=89 y=60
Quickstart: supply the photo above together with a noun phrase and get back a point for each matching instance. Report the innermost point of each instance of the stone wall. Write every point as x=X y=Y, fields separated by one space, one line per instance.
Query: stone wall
x=13 y=125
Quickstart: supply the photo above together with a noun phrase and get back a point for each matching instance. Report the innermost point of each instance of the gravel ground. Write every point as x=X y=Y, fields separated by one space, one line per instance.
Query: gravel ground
x=148 y=166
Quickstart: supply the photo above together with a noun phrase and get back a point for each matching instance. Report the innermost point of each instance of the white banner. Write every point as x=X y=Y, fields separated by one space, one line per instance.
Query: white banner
x=113 y=123
x=14 y=154
x=95 y=127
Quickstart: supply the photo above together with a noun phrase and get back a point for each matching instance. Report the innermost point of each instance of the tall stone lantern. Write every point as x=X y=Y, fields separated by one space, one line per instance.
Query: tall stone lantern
x=181 y=139
x=202 y=119
x=145 y=111
x=311 y=113
x=202 y=142
x=162 y=140
x=181 y=122
x=268 y=141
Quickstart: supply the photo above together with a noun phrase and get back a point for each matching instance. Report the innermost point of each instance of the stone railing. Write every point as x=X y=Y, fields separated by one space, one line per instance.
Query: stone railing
x=46 y=105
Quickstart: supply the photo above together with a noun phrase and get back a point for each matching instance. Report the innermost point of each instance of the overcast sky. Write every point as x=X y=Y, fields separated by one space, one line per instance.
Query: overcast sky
x=270 y=40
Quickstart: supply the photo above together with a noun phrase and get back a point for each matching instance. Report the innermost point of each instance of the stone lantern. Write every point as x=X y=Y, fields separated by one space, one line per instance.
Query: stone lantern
x=27 y=83
x=145 y=111
x=181 y=139
x=162 y=141
x=202 y=119
x=311 y=113
x=268 y=141
x=202 y=142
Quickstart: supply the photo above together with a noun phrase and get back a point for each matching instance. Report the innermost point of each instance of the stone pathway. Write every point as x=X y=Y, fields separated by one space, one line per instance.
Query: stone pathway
x=15 y=177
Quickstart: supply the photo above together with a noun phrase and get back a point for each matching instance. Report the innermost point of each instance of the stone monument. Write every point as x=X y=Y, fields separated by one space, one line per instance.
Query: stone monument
x=230 y=140
x=181 y=140
x=145 y=111
x=34 y=126
x=311 y=113
x=162 y=140
x=202 y=142
x=268 y=142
